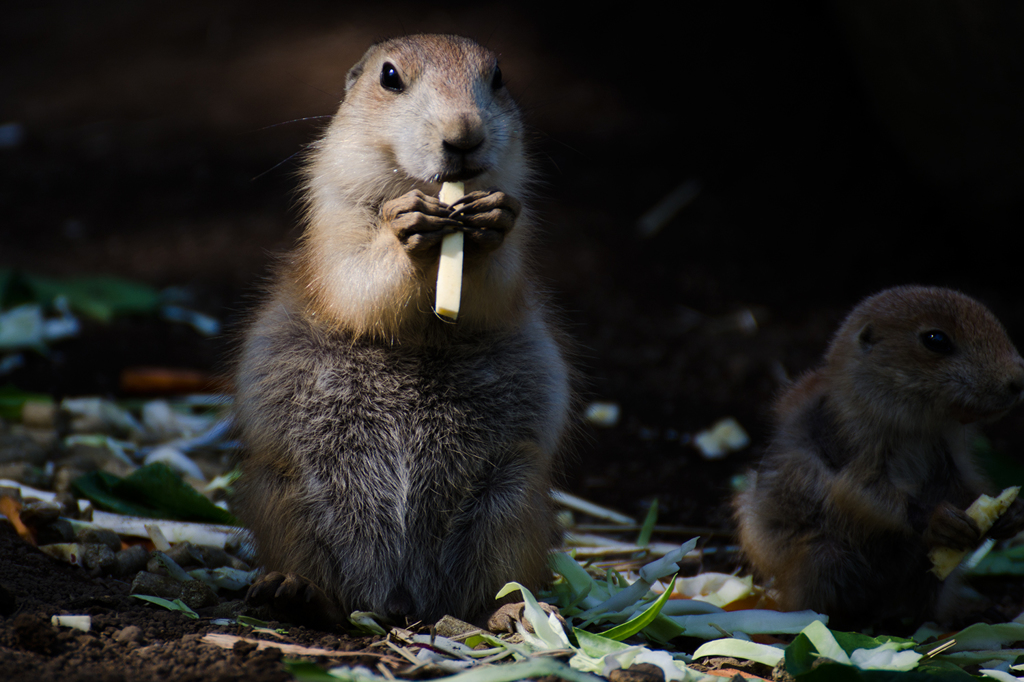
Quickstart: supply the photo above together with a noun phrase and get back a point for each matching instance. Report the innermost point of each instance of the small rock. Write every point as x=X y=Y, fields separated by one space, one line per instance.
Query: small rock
x=639 y=672
x=39 y=513
x=197 y=594
x=242 y=648
x=39 y=414
x=131 y=560
x=215 y=557
x=59 y=531
x=87 y=641
x=450 y=627
x=779 y=673
x=232 y=608
x=186 y=555
x=156 y=585
x=101 y=536
x=98 y=558
x=69 y=505
x=132 y=633
x=21 y=448
x=271 y=653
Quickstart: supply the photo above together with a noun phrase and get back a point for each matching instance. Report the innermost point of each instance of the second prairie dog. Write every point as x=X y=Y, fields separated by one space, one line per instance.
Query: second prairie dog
x=870 y=465
x=394 y=462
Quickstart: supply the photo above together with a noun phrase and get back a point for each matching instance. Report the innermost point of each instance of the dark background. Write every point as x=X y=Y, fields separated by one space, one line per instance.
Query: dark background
x=840 y=148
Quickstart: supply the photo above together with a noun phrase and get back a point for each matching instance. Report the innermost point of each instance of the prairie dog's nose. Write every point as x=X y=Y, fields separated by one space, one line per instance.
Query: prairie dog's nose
x=464 y=134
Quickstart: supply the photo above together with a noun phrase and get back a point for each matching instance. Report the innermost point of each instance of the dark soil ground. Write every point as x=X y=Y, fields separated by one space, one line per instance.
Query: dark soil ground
x=839 y=149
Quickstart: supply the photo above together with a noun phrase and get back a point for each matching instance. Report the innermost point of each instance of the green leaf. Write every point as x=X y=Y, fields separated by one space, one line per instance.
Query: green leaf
x=176 y=605
x=647 y=529
x=851 y=641
x=12 y=401
x=639 y=622
x=831 y=672
x=981 y=636
x=825 y=642
x=573 y=586
x=153 y=491
x=549 y=635
x=366 y=622
x=662 y=630
x=13 y=291
x=306 y=671
x=944 y=670
x=741 y=649
x=835 y=672
x=800 y=655
x=816 y=642
x=100 y=298
x=1002 y=562
x=596 y=645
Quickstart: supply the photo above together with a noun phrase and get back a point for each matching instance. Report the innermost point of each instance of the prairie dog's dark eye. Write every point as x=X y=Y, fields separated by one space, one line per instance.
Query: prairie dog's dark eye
x=389 y=78
x=496 y=81
x=937 y=341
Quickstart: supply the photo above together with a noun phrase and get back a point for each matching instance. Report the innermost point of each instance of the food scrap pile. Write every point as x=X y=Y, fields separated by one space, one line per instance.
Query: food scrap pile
x=629 y=603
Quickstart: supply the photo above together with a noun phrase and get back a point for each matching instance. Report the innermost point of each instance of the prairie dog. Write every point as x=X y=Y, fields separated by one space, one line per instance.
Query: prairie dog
x=394 y=462
x=870 y=465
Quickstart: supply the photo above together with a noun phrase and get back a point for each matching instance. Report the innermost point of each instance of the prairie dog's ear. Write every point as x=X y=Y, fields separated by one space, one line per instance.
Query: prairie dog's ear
x=866 y=338
x=354 y=73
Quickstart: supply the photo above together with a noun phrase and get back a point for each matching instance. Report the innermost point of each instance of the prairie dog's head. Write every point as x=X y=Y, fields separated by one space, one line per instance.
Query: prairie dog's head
x=421 y=110
x=923 y=356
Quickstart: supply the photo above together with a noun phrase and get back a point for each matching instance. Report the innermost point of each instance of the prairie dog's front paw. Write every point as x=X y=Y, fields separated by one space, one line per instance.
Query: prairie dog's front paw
x=419 y=221
x=951 y=527
x=1010 y=522
x=487 y=216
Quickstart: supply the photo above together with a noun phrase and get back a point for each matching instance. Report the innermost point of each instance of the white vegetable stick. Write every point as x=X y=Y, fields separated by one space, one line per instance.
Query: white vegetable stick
x=157 y=536
x=984 y=510
x=174 y=531
x=83 y=623
x=449 y=269
x=585 y=507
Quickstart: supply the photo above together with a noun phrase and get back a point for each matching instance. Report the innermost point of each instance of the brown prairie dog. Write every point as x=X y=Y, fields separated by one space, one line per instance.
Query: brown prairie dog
x=394 y=462
x=870 y=468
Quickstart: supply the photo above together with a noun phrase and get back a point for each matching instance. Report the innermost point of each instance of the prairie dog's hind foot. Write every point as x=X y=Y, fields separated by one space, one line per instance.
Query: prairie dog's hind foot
x=295 y=599
x=505 y=617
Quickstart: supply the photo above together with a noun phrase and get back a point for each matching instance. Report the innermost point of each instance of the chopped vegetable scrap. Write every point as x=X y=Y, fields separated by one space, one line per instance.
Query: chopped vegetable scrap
x=984 y=510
